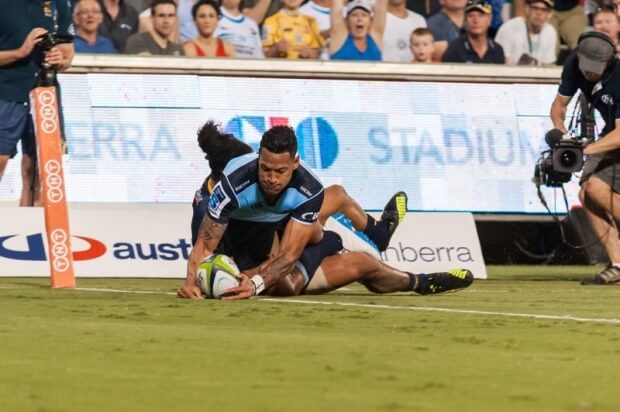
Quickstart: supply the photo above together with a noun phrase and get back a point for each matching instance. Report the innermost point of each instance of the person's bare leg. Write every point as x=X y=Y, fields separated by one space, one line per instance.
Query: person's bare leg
x=4 y=160
x=599 y=219
x=27 y=167
x=337 y=200
x=340 y=270
x=603 y=195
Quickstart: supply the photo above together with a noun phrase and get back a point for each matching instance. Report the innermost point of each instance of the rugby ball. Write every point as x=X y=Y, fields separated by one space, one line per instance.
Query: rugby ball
x=216 y=274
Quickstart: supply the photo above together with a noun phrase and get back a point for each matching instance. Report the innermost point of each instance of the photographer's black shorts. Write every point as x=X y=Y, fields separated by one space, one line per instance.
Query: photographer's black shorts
x=604 y=166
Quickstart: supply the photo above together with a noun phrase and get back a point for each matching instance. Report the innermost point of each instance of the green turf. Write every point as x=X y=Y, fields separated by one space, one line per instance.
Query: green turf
x=71 y=350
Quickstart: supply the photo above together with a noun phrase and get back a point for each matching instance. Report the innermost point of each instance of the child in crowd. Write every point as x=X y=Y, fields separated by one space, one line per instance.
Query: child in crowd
x=422 y=45
x=291 y=34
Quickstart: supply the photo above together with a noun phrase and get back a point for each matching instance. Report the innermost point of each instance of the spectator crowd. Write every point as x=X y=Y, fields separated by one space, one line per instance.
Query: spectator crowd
x=521 y=32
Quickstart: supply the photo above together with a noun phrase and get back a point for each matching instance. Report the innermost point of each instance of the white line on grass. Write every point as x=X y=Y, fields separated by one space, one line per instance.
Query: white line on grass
x=447 y=310
x=372 y=306
x=139 y=292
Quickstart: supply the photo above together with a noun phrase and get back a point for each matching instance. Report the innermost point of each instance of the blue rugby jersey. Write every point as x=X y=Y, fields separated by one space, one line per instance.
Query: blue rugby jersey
x=238 y=196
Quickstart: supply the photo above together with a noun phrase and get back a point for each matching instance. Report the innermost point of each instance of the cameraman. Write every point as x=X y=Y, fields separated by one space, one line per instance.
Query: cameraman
x=22 y=23
x=595 y=71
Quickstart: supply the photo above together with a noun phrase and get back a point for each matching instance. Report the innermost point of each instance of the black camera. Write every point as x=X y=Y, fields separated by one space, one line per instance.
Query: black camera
x=46 y=76
x=564 y=157
x=51 y=40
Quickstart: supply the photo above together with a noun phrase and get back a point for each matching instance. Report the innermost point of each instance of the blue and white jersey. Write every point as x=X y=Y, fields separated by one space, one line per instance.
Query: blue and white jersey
x=237 y=195
x=243 y=33
x=321 y=14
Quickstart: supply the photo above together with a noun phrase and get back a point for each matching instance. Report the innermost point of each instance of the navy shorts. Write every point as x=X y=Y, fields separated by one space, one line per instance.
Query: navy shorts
x=313 y=255
x=15 y=125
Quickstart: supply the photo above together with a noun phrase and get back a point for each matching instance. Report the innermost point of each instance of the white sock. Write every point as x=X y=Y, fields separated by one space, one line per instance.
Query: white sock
x=617 y=265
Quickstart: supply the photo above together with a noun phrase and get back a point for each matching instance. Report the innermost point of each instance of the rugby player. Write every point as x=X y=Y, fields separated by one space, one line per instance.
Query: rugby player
x=256 y=194
x=219 y=148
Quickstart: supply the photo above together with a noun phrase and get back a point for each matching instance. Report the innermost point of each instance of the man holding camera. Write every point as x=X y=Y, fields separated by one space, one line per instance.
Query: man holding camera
x=22 y=23
x=595 y=71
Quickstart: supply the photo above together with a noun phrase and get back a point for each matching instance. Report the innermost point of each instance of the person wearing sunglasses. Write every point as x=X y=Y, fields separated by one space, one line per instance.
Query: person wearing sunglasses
x=475 y=46
x=530 y=40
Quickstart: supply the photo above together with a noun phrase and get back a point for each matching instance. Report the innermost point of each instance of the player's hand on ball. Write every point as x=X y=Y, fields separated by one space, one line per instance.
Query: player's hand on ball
x=245 y=290
x=188 y=291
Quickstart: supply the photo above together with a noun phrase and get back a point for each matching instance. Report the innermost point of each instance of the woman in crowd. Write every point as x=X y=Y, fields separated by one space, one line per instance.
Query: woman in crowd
x=359 y=36
x=206 y=14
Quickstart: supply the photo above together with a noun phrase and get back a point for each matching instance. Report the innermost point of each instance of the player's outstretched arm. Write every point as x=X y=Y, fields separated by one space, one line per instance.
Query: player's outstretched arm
x=209 y=235
x=296 y=236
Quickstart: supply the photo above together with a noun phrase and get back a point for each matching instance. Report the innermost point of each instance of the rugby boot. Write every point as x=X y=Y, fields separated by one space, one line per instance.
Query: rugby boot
x=393 y=214
x=608 y=276
x=452 y=280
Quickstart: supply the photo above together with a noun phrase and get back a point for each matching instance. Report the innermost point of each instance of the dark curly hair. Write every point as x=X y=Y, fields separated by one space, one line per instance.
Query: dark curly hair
x=280 y=139
x=219 y=147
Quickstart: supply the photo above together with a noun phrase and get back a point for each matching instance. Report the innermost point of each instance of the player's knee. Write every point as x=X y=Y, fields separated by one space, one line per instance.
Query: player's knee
x=340 y=194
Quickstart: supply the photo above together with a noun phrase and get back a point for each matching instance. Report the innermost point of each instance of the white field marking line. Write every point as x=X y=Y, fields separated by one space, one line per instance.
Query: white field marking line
x=446 y=310
x=369 y=306
x=137 y=292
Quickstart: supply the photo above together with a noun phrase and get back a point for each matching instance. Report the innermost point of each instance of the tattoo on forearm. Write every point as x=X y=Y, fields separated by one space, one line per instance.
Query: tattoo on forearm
x=210 y=229
x=277 y=268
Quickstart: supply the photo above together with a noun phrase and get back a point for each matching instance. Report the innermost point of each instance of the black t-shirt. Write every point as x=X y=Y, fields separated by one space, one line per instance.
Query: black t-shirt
x=424 y=7
x=604 y=95
x=460 y=51
x=17 y=19
x=119 y=30
x=564 y=5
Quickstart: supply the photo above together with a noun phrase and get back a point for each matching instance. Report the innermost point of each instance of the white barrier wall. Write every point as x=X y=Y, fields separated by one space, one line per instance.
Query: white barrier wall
x=154 y=241
x=450 y=146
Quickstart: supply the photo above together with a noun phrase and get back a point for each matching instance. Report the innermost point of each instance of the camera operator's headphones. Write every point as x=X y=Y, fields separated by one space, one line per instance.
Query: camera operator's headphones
x=601 y=36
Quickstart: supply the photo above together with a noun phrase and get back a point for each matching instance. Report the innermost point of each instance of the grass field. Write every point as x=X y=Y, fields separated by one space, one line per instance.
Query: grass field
x=528 y=339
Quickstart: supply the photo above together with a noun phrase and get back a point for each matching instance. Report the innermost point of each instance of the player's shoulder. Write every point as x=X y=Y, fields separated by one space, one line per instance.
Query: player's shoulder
x=306 y=182
x=242 y=170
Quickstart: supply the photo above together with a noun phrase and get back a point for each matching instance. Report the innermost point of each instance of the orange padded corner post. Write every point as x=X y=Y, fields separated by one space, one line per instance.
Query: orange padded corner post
x=44 y=104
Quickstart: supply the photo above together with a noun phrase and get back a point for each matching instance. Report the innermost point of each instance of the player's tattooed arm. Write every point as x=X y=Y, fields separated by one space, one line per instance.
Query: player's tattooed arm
x=210 y=230
x=276 y=268
x=295 y=238
x=209 y=235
